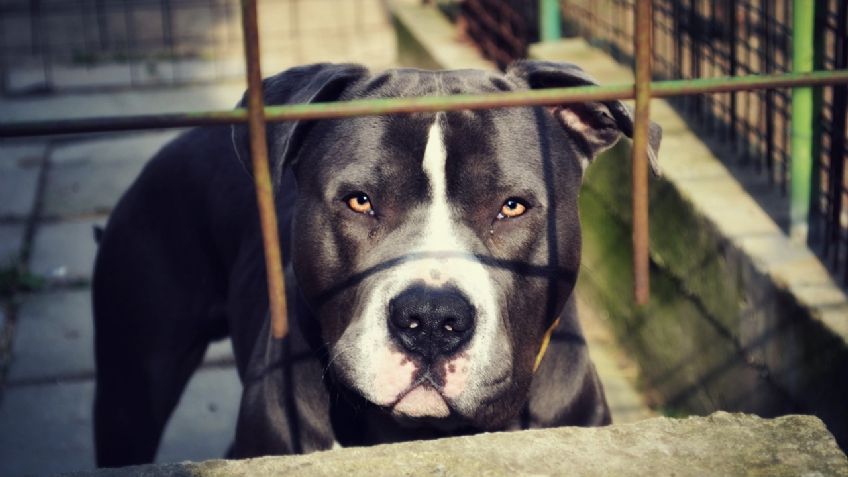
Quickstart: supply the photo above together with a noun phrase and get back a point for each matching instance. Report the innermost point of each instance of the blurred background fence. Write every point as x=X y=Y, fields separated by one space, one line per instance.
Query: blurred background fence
x=702 y=39
x=71 y=45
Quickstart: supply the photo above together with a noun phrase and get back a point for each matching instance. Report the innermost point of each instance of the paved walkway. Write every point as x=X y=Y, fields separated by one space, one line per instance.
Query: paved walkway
x=52 y=193
x=59 y=191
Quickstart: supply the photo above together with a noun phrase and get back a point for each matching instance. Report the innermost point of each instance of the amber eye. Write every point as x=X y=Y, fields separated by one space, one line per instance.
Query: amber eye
x=512 y=208
x=359 y=203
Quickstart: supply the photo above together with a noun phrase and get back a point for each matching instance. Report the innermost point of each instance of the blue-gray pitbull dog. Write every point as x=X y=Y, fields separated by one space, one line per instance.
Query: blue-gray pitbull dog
x=428 y=257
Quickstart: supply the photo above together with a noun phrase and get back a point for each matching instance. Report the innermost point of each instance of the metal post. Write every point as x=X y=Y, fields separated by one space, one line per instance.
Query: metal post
x=803 y=15
x=642 y=47
x=549 y=20
x=262 y=174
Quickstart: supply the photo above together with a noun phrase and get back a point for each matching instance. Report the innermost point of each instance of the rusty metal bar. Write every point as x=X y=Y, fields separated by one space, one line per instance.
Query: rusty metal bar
x=344 y=109
x=642 y=89
x=262 y=174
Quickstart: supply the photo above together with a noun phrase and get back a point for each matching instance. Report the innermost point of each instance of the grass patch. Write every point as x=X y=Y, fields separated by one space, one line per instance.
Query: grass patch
x=15 y=279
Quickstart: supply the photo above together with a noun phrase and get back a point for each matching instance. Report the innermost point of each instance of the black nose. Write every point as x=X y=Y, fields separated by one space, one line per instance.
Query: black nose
x=431 y=321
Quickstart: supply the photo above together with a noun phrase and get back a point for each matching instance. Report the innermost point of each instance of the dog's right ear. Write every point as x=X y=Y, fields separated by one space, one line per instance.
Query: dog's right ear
x=595 y=125
x=304 y=84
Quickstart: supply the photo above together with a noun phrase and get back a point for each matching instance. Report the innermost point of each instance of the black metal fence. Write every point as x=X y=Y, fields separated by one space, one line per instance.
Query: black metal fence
x=714 y=38
x=829 y=220
x=502 y=29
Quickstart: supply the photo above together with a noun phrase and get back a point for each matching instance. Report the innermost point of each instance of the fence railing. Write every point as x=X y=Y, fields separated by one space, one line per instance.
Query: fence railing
x=256 y=115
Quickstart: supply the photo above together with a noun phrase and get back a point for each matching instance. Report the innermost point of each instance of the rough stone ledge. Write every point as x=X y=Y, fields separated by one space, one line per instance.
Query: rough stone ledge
x=720 y=444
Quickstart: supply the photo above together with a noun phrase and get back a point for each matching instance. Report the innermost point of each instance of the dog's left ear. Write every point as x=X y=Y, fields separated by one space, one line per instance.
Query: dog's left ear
x=596 y=125
x=305 y=84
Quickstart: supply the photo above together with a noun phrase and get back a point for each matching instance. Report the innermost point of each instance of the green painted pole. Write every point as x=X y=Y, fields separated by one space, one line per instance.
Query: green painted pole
x=803 y=20
x=549 y=20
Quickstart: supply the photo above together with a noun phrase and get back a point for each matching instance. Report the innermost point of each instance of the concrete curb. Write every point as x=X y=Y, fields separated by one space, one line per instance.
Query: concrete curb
x=721 y=444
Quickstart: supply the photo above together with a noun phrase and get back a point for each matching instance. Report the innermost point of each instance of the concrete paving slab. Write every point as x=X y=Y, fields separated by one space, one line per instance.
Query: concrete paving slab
x=204 y=424
x=20 y=163
x=64 y=251
x=89 y=177
x=53 y=337
x=46 y=429
x=11 y=242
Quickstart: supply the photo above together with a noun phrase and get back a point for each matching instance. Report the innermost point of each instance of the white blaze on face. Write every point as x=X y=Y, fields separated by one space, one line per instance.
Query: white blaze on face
x=381 y=370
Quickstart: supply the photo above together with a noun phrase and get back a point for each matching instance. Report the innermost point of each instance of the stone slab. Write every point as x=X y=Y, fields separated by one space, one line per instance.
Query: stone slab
x=64 y=251
x=53 y=337
x=11 y=243
x=47 y=428
x=89 y=177
x=721 y=444
x=204 y=423
x=20 y=163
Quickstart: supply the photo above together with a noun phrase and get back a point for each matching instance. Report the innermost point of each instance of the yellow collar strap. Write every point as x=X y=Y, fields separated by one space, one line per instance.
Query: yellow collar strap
x=546 y=340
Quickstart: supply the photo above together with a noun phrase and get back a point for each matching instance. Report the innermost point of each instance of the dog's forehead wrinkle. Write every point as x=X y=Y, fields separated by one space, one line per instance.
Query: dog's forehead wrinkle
x=492 y=155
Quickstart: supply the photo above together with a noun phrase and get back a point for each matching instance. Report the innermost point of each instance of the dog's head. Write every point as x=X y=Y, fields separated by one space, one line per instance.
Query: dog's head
x=436 y=249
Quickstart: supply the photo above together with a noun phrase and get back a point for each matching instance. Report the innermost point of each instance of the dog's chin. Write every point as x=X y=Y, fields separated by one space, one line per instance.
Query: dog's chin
x=423 y=407
x=422 y=401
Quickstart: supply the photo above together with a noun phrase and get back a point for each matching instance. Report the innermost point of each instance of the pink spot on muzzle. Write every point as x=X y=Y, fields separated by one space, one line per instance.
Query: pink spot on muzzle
x=456 y=375
x=394 y=372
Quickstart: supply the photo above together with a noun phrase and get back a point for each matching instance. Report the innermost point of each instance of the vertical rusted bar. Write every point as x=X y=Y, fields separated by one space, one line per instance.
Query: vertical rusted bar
x=261 y=172
x=767 y=18
x=731 y=41
x=642 y=47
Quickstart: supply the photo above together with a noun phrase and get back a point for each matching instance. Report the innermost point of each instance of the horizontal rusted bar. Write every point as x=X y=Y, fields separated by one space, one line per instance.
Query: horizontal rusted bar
x=370 y=107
